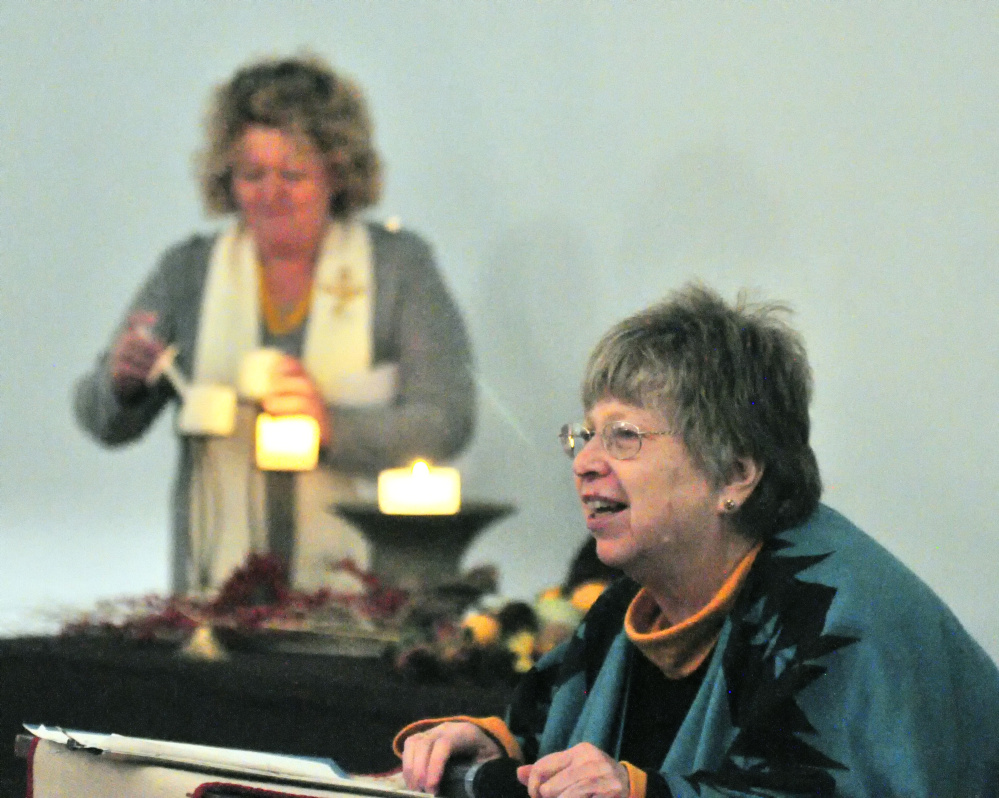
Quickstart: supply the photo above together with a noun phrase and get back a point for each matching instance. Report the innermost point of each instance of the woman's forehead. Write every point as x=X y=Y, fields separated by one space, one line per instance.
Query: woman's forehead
x=265 y=140
x=609 y=409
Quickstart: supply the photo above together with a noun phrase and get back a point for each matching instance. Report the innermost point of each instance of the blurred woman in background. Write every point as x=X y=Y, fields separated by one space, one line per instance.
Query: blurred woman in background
x=374 y=348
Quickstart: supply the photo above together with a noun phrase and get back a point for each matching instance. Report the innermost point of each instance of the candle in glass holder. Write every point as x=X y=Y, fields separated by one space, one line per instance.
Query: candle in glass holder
x=420 y=490
x=287 y=443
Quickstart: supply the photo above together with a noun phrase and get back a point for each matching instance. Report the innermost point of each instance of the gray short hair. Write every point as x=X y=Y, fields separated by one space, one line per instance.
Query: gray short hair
x=734 y=382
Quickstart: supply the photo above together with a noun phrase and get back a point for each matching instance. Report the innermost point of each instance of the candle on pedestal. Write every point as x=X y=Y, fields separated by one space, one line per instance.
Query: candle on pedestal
x=420 y=490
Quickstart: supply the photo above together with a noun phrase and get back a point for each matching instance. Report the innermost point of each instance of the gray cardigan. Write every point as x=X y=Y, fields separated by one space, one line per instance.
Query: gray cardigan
x=416 y=325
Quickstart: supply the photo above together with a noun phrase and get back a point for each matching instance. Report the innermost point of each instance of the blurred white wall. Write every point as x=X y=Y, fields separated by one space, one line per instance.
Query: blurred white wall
x=571 y=161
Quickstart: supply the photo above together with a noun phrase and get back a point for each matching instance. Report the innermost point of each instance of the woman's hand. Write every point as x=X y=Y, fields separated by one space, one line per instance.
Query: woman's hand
x=133 y=356
x=580 y=772
x=294 y=393
x=424 y=755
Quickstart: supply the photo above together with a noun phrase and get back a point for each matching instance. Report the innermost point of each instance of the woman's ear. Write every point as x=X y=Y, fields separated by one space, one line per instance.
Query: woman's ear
x=745 y=476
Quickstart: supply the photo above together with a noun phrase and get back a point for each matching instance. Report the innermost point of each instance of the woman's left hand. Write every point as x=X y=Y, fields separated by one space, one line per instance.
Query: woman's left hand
x=580 y=772
x=294 y=393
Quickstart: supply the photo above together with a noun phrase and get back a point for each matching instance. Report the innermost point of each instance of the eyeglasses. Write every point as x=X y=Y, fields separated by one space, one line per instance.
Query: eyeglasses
x=622 y=440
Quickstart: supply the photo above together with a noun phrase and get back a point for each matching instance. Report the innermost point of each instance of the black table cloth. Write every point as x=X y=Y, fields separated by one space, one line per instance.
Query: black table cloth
x=346 y=708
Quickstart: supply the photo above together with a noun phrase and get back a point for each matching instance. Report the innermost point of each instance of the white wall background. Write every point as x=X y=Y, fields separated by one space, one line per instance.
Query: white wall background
x=571 y=161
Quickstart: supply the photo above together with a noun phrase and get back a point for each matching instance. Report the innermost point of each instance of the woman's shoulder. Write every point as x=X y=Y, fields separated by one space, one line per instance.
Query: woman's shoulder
x=181 y=268
x=829 y=576
x=390 y=239
x=834 y=551
x=194 y=249
x=186 y=260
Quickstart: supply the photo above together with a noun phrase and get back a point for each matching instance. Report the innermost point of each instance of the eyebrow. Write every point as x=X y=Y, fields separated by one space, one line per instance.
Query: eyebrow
x=590 y=424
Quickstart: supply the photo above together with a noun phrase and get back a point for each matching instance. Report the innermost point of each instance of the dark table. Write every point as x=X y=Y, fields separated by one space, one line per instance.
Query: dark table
x=347 y=708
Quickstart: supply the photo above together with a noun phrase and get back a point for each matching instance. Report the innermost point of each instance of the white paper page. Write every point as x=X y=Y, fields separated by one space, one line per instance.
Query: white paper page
x=248 y=763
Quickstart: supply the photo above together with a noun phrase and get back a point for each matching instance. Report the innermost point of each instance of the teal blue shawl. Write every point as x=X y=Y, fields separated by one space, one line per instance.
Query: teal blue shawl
x=838 y=672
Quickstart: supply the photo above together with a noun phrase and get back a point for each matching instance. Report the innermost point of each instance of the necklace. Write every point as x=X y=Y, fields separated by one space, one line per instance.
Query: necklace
x=278 y=320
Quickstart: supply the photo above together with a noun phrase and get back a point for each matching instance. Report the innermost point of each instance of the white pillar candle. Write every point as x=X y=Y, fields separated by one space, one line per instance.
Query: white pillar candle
x=256 y=373
x=287 y=443
x=420 y=490
x=207 y=409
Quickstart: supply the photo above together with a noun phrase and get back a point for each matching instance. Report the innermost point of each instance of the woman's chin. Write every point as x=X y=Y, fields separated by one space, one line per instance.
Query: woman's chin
x=611 y=552
x=282 y=238
x=278 y=242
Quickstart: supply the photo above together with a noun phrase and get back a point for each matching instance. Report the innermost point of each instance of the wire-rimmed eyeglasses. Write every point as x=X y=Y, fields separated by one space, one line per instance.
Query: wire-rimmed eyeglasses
x=622 y=440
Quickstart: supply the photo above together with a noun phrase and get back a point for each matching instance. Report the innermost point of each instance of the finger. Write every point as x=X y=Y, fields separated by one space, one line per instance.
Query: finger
x=440 y=752
x=586 y=774
x=292 y=386
x=137 y=354
x=289 y=405
x=567 y=783
x=425 y=765
x=414 y=761
x=540 y=774
x=131 y=341
x=289 y=366
x=298 y=386
x=423 y=746
x=132 y=363
x=551 y=774
x=141 y=323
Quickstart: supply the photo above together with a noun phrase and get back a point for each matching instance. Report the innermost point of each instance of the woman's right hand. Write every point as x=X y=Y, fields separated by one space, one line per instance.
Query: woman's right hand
x=425 y=754
x=133 y=356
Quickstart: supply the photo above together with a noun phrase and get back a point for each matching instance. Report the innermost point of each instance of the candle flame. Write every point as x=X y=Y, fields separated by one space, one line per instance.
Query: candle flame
x=419 y=489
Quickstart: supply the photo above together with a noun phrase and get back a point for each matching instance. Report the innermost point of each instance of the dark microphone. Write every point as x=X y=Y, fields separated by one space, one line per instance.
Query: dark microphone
x=496 y=778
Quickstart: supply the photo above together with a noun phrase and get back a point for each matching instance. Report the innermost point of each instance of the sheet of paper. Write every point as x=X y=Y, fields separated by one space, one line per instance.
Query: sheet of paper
x=229 y=760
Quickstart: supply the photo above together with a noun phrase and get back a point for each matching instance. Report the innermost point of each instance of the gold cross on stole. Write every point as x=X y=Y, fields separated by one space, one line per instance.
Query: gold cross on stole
x=343 y=290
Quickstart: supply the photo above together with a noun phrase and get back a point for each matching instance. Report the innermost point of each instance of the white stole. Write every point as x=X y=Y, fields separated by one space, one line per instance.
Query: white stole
x=227 y=515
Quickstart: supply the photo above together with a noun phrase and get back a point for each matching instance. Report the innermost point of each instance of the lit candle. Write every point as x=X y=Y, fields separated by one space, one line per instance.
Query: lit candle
x=287 y=443
x=420 y=490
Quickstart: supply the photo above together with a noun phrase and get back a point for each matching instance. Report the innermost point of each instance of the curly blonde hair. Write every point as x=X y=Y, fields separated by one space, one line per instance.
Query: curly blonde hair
x=302 y=96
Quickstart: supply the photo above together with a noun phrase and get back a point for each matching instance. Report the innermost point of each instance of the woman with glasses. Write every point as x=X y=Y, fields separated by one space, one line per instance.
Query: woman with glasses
x=368 y=341
x=760 y=644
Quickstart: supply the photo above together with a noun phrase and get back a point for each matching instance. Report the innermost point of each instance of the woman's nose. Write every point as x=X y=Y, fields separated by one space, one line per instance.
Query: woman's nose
x=273 y=187
x=590 y=459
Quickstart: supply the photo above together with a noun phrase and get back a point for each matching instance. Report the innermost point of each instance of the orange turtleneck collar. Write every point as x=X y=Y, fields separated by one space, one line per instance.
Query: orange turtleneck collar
x=678 y=650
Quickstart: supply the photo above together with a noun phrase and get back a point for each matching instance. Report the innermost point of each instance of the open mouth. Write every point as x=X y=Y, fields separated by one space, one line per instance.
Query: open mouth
x=597 y=507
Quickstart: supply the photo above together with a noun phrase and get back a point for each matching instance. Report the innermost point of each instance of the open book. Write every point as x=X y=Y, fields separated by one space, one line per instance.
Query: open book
x=255 y=765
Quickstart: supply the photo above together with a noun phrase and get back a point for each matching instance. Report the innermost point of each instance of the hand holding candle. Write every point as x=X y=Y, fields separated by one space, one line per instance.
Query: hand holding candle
x=133 y=355
x=420 y=490
x=291 y=428
x=293 y=393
